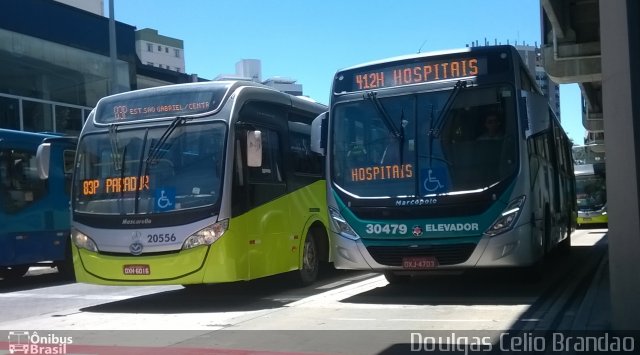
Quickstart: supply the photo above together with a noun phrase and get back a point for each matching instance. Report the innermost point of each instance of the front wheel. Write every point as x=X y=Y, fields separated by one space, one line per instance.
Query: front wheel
x=65 y=267
x=308 y=273
x=394 y=278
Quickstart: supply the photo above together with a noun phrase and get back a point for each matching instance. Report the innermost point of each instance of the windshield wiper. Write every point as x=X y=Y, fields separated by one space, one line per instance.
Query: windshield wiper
x=122 y=169
x=436 y=128
x=115 y=149
x=140 y=178
x=154 y=152
x=386 y=118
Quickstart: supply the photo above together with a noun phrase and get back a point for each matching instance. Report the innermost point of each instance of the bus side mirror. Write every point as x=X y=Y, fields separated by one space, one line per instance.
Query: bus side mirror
x=43 y=158
x=319 y=133
x=535 y=109
x=254 y=149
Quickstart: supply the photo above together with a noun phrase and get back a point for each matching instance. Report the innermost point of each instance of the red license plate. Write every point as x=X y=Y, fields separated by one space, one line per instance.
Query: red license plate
x=137 y=269
x=420 y=262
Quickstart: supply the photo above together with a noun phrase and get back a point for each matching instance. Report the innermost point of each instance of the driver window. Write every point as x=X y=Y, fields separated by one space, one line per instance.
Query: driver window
x=21 y=185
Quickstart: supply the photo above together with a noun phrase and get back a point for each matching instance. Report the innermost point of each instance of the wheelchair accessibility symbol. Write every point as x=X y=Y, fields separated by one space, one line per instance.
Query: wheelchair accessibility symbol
x=436 y=181
x=165 y=199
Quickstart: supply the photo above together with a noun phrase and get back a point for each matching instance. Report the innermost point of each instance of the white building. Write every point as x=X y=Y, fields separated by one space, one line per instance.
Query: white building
x=533 y=60
x=287 y=85
x=160 y=51
x=95 y=6
x=251 y=69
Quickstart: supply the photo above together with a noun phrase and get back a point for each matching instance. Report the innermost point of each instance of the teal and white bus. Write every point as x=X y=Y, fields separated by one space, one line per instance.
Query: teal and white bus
x=199 y=183
x=416 y=184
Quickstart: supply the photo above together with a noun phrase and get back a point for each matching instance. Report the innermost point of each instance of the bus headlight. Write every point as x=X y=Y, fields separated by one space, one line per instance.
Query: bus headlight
x=82 y=241
x=341 y=226
x=507 y=218
x=207 y=235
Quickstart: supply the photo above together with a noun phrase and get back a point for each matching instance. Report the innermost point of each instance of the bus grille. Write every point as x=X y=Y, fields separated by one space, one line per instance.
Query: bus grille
x=446 y=254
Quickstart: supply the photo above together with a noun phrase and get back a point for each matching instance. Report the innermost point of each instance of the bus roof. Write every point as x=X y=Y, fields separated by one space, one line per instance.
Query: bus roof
x=189 y=99
x=10 y=134
x=430 y=54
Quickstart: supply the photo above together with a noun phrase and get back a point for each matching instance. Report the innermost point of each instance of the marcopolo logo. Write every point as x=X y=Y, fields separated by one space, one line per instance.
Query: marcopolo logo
x=25 y=342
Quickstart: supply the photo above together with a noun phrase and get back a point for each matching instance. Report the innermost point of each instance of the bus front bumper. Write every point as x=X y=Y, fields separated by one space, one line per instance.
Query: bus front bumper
x=512 y=249
x=205 y=264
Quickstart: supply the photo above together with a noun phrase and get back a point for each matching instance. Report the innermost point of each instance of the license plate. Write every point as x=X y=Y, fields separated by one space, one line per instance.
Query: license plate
x=586 y=218
x=137 y=269
x=420 y=262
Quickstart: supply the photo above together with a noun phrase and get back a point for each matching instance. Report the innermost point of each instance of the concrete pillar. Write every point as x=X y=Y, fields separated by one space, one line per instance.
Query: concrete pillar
x=620 y=45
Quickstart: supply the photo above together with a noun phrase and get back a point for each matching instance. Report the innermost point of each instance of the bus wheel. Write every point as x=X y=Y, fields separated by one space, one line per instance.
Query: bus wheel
x=395 y=278
x=310 y=262
x=564 y=247
x=13 y=272
x=65 y=267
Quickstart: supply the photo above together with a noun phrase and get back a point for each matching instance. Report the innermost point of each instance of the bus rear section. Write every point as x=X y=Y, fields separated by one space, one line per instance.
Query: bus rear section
x=445 y=162
x=34 y=209
x=198 y=183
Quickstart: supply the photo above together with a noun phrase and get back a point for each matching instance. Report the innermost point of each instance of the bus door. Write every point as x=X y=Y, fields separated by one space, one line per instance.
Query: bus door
x=262 y=202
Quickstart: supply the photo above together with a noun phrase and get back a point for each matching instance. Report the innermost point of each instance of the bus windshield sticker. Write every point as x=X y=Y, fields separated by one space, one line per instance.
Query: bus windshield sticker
x=434 y=180
x=165 y=198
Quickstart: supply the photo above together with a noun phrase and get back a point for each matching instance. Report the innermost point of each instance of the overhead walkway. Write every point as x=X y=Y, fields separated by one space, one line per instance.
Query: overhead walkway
x=596 y=44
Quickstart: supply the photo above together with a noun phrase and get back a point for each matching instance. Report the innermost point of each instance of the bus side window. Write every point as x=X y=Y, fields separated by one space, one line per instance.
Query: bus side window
x=20 y=182
x=67 y=160
x=270 y=171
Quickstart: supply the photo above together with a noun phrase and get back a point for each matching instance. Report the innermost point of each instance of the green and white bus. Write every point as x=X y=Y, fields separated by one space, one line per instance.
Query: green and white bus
x=591 y=185
x=199 y=183
x=416 y=183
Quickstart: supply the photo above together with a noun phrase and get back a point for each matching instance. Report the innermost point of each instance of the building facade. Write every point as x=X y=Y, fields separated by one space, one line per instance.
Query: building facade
x=160 y=51
x=532 y=58
x=94 y=6
x=251 y=69
x=55 y=65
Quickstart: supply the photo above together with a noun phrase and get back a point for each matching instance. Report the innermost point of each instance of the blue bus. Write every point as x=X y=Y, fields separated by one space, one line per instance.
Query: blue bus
x=34 y=209
x=447 y=160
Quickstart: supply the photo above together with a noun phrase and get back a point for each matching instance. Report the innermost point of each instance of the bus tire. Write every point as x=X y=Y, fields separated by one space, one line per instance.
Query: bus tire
x=65 y=267
x=564 y=247
x=13 y=272
x=308 y=272
x=394 y=278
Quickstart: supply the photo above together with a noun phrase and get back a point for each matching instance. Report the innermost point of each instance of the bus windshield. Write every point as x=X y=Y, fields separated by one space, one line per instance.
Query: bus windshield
x=468 y=147
x=591 y=192
x=114 y=169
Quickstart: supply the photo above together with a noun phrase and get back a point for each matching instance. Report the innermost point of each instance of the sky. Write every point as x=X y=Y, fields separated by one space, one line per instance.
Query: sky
x=309 y=40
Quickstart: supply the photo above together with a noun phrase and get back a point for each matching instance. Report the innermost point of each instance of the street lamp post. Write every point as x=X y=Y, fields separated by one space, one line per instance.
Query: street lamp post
x=113 y=87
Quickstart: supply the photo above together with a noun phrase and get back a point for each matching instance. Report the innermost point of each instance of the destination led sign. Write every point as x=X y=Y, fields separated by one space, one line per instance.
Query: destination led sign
x=112 y=185
x=156 y=103
x=393 y=74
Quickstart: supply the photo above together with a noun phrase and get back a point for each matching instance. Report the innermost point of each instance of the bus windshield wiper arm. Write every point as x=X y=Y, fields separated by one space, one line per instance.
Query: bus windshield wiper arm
x=385 y=115
x=140 y=178
x=122 y=169
x=436 y=128
x=154 y=151
x=115 y=149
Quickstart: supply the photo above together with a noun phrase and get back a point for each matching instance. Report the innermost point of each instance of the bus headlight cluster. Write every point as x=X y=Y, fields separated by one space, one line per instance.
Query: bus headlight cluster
x=341 y=226
x=82 y=241
x=207 y=235
x=507 y=218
